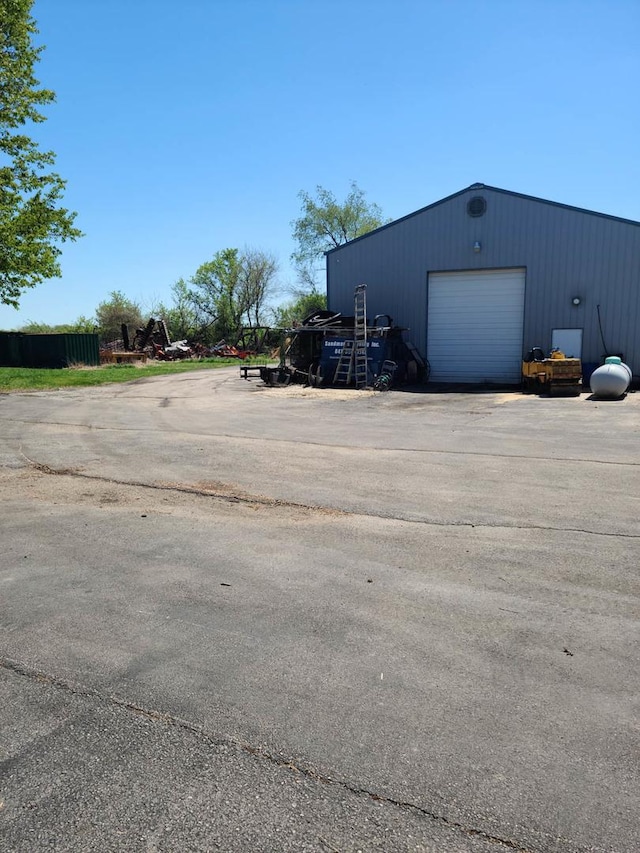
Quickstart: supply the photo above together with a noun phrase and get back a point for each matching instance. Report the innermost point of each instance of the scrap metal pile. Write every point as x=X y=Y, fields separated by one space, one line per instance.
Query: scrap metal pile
x=323 y=351
x=153 y=341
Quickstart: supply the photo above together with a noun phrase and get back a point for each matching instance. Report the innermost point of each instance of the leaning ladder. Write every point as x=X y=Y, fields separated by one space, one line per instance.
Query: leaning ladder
x=360 y=336
x=344 y=369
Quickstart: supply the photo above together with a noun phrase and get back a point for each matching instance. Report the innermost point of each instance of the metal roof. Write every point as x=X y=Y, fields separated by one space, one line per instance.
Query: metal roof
x=480 y=186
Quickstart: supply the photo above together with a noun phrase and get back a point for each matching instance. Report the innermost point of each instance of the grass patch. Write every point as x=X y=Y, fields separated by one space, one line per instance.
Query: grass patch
x=41 y=379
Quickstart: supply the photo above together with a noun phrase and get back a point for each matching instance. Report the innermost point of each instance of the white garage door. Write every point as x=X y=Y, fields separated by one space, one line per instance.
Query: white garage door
x=474 y=326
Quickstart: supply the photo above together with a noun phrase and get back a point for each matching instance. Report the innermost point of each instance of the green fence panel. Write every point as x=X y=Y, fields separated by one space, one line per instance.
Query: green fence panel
x=65 y=350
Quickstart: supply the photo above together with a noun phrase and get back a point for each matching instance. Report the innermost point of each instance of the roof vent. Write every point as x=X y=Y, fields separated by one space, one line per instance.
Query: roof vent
x=476 y=206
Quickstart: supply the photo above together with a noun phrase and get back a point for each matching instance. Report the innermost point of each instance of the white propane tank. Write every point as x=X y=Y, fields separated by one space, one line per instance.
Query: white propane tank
x=612 y=379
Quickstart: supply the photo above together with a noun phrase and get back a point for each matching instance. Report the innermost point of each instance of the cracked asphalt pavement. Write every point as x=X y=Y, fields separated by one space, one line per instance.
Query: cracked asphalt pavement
x=237 y=618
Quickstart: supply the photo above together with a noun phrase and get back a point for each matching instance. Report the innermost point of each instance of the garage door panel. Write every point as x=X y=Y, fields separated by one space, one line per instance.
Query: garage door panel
x=475 y=326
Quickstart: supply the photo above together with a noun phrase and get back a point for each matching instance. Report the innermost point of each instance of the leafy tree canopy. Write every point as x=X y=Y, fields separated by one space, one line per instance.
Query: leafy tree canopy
x=288 y=315
x=83 y=325
x=181 y=317
x=259 y=270
x=231 y=290
x=32 y=222
x=324 y=223
x=213 y=293
x=113 y=312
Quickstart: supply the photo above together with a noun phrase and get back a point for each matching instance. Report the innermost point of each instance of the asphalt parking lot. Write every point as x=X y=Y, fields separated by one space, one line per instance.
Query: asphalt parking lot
x=237 y=618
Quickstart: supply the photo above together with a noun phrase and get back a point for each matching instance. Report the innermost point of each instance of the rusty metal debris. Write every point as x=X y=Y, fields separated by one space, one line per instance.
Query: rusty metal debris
x=328 y=348
x=153 y=341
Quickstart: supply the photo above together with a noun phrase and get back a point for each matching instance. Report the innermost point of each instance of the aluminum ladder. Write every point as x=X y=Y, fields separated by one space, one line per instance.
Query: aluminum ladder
x=344 y=368
x=360 y=337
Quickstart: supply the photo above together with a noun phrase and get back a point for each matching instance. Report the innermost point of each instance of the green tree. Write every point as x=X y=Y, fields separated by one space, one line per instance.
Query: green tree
x=181 y=317
x=214 y=294
x=113 y=312
x=288 y=315
x=83 y=325
x=324 y=223
x=257 y=283
x=232 y=290
x=32 y=222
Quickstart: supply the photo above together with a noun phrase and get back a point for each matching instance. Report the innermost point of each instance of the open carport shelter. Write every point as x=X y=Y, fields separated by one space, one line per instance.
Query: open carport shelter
x=484 y=275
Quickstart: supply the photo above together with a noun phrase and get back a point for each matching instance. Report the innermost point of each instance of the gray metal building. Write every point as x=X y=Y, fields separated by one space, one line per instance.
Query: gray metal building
x=484 y=275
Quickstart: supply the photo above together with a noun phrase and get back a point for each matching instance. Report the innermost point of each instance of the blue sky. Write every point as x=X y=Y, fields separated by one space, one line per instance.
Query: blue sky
x=186 y=127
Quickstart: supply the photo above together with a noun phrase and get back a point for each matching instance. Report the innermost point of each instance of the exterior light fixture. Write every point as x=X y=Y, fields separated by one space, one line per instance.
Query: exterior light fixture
x=477 y=246
x=576 y=301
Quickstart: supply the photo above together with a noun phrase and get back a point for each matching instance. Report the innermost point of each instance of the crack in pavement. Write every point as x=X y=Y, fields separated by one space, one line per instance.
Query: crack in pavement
x=368 y=448
x=261 y=500
x=259 y=753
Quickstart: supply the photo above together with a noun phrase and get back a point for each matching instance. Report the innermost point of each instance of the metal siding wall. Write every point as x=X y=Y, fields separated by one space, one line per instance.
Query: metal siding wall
x=10 y=349
x=49 y=351
x=82 y=349
x=566 y=253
